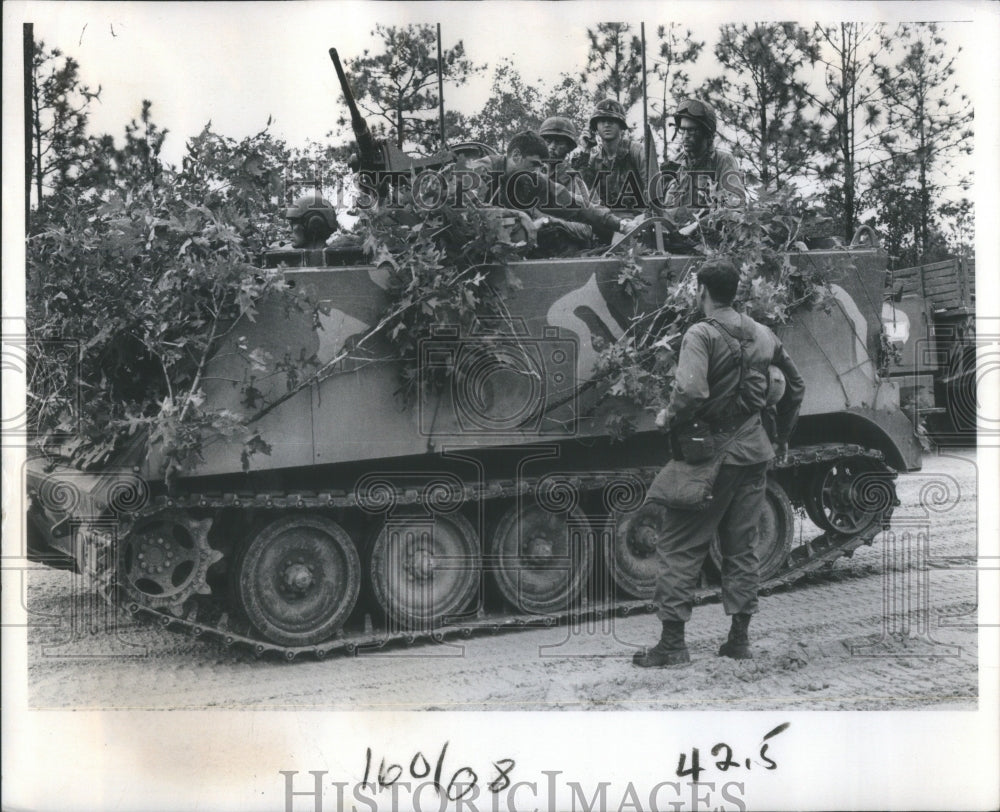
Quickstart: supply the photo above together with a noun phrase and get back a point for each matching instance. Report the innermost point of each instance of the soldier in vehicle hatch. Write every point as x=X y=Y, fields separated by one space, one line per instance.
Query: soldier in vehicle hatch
x=517 y=180
x=617 y=168
x=702 y=165
x=728 y=372
x=313 y=221
x=562 y=137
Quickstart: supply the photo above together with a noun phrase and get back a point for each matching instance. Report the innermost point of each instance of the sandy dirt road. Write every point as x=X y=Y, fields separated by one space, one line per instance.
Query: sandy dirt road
x=894 y=627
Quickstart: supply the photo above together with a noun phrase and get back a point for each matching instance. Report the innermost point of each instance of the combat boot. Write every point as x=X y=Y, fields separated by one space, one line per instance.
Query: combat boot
x=738 y=644
x=671 y=649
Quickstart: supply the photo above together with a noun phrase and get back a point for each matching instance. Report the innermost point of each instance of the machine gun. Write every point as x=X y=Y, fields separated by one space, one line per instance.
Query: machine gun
x=376 y=154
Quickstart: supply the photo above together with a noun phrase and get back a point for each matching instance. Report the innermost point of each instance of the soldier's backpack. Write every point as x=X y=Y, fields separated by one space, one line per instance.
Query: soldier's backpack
x=750 y=395
x=696 y=441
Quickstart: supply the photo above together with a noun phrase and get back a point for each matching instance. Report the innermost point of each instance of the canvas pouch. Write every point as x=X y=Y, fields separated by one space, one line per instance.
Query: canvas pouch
x=686 y=485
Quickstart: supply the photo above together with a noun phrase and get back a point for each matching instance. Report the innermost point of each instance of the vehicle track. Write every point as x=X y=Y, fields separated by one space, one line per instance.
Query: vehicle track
x=814 y=555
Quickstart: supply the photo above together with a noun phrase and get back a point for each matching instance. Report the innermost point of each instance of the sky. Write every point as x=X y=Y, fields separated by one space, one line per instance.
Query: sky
x=237 y=64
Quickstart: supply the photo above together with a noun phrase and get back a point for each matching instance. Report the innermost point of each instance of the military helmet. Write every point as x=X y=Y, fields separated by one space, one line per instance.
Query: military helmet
x=310 y=204
x=775 y=385
x=559 y=127
x=316 y=217
x=697 y=110
x=609 y=109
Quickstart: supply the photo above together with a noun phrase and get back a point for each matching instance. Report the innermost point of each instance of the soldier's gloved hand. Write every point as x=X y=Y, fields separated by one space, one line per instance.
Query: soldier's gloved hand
x=661 y=419
x=781 y=451
x=625 y=225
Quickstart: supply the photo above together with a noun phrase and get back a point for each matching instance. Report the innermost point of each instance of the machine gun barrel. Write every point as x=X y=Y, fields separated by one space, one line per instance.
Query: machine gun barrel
x=368 y=151
x=375 y=153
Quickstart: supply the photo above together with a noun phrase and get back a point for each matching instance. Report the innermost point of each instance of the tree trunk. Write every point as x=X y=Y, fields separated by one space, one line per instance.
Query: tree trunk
x=617 y=77
x=666 y=78
x=924 y=214
x=29 y=84
x=38 y=143
x=847 y=131
x=765 y=171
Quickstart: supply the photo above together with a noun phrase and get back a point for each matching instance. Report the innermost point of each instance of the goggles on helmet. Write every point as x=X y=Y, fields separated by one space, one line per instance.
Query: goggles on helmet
x=692 y=107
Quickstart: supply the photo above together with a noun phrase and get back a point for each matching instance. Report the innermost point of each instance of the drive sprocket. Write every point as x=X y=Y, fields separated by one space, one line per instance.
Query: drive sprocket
x=164 y=560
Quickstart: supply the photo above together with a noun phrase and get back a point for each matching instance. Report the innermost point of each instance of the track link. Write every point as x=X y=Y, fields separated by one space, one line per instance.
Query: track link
x=813 y=556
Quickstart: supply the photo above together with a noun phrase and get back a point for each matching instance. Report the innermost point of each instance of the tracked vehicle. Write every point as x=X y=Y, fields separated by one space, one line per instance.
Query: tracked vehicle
x=500 y=502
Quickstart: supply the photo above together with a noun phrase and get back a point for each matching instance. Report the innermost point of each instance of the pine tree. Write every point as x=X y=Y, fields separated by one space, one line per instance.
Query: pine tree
x=676 y=50
x=512 y=106
x=615 y=61
x=928 y=124
x=851 y=98
x=569 y=98
x=762 y=98
x=59 y=112
x=398 y=87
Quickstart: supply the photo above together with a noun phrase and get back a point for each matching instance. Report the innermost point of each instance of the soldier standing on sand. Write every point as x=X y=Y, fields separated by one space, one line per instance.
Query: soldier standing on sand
x=617 y=169
x=722 y=380
x=702 y=164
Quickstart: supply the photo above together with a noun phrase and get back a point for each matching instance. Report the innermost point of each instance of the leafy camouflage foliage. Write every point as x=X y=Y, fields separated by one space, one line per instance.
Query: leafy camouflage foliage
x=447 y=270
x=146 y=267
x=637 y=371
x=145 y=272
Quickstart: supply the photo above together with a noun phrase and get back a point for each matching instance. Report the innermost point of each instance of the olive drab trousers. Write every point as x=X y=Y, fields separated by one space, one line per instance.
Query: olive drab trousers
x=737 y=500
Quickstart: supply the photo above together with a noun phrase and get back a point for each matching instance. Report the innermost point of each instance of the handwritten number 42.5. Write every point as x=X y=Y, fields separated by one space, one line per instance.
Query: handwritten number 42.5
x=726 y=761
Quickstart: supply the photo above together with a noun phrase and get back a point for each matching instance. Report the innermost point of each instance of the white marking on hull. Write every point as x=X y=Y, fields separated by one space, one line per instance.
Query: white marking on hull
x=861 y=357
x=336 y=327
x=561 y=315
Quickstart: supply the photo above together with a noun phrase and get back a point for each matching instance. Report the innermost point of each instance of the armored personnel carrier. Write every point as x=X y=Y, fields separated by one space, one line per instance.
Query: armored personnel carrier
x=499 y=502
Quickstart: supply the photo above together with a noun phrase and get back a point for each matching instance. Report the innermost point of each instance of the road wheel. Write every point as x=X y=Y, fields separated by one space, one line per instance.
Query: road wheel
x=775 y=530
x=165 y=560
x=846 y=496
x=631 y=555
x=425 y=569
x=542 y=557
x=299 y=579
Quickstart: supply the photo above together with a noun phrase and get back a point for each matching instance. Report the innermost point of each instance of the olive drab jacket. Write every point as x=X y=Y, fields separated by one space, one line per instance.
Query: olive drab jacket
x=707 y=378
x=694 y=179
x=573 y=180
x=621 y=181
x=530 y=193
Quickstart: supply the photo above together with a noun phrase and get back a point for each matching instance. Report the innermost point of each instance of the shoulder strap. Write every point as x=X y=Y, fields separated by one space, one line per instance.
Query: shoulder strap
x=735 y=345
